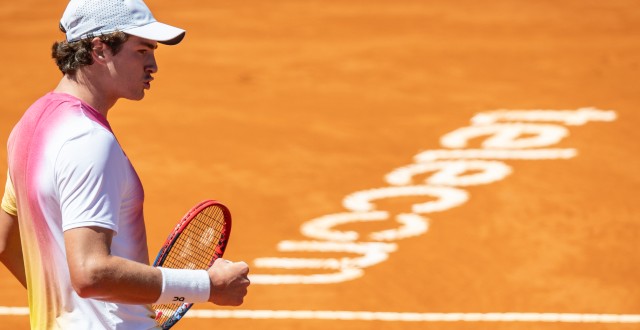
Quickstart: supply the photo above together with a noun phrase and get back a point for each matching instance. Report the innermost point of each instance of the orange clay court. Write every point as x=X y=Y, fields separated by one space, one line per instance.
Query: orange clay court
x=372 y=180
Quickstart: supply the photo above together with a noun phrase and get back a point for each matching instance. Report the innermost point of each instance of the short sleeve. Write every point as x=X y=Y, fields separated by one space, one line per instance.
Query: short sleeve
x=90 y=178
x=9 y=198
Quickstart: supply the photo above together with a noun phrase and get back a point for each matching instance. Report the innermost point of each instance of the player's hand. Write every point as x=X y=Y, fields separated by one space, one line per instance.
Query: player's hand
x=229 y=282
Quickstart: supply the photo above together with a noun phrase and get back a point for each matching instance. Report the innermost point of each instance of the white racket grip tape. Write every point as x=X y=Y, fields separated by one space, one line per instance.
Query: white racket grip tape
x=184 y=286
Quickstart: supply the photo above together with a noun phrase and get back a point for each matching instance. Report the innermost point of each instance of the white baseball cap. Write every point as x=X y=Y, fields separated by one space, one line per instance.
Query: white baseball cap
x=86 y=18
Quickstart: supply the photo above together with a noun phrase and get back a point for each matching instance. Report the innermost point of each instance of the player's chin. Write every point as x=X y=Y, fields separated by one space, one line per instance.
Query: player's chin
x=136 y=97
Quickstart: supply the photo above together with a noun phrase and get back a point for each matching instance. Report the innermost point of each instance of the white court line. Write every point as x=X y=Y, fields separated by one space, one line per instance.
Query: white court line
x=413 y=317
x=390 y=316
x=14 y=310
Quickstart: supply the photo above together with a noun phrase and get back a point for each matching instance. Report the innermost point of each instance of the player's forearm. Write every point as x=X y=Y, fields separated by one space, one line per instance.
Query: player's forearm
x=97 y=274
x=118 y=280
x=10 y=248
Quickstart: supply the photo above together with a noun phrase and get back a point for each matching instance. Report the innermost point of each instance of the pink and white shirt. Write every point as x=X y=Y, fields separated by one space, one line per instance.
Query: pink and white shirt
x=69 y=171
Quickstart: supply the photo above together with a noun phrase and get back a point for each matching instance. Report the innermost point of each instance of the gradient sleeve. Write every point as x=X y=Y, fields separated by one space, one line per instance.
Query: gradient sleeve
x=9 y=198
x=90 y=179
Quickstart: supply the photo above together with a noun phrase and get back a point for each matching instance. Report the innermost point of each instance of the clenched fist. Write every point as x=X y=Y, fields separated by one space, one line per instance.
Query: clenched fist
x=229 y=282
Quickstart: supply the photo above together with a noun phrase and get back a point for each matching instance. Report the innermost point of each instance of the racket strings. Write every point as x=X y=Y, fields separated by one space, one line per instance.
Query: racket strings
x=203 y=237
x=198 y=241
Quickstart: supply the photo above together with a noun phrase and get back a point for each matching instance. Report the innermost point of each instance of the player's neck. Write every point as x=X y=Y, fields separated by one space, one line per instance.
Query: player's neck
x=87 y=91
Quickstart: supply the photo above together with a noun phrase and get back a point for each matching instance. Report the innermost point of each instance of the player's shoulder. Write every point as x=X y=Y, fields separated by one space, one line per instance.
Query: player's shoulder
x=74 y=116
x=61 y=109
x=71 y=123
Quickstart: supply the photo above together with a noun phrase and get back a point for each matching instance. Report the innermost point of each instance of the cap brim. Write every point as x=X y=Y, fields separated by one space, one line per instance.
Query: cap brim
x=160 y=32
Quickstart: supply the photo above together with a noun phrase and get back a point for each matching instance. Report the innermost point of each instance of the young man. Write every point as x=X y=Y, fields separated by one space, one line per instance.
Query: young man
x=74 y=195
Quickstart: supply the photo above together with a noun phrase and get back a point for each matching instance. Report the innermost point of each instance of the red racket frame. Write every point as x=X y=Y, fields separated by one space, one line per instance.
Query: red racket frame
x=175 y=234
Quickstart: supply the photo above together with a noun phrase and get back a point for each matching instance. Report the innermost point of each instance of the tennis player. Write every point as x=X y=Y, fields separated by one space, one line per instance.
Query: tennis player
x=71 y=226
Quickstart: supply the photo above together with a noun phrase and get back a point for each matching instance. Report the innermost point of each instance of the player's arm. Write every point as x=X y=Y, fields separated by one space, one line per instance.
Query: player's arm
x=91 y=182
x=95 y=273
x=10 y=248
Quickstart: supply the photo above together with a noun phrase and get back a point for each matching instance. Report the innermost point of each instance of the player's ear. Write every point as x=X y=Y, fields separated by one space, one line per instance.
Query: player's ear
x=98 y=50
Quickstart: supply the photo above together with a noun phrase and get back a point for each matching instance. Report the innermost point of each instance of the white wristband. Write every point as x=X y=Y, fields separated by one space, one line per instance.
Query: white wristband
x=184 y=286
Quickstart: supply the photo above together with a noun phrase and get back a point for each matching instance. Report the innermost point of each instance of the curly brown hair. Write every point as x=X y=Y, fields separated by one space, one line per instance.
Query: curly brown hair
x=69 y=56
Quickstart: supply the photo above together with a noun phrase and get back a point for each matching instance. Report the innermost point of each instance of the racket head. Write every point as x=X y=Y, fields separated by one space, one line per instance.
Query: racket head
x=197 y=240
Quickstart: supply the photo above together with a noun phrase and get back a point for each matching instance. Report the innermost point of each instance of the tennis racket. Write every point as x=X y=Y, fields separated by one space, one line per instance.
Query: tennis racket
x=195 y=243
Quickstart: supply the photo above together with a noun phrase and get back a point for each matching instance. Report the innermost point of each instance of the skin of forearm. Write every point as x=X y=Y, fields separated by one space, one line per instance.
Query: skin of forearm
x=97 y=274
x=119 y=280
